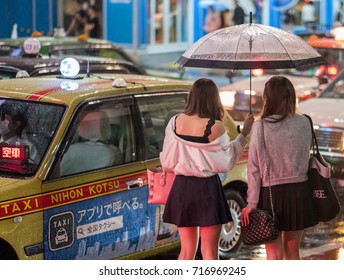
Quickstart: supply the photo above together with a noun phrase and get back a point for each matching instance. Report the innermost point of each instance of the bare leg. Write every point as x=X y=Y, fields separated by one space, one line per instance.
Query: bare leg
x=274 y=249
x=189 y=242
x=210 y=242
x=291 y=243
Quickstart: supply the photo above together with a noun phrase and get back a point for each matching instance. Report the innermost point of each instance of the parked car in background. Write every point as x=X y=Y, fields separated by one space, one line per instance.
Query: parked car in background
x=85 y=197
x=328 y=117
x=8 y=71
x=67 y=46
x=236 y=96
x=37 y=66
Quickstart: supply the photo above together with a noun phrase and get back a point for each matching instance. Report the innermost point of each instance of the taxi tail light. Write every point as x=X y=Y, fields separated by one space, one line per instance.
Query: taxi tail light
x=332 y=70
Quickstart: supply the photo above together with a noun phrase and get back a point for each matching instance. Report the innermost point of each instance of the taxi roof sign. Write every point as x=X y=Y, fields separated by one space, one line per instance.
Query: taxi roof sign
x=69 y=67
x=31 y=46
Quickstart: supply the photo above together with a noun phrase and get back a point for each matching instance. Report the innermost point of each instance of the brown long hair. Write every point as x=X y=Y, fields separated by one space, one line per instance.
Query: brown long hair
x=204 y=100
x=279 y=98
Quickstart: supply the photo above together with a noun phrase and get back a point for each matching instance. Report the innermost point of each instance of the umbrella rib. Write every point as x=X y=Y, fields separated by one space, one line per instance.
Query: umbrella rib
x=237 y=47
x=291 y=59
x=210 y=36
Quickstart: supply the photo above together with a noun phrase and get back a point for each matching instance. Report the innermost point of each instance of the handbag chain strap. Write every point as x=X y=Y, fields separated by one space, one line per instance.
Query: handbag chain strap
x=267 y=164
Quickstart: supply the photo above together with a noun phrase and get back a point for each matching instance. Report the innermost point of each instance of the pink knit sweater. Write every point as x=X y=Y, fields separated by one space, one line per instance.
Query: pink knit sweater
x=288 y=146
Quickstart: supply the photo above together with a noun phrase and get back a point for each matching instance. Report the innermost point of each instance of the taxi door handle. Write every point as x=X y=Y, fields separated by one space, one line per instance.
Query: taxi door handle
x=135 y=183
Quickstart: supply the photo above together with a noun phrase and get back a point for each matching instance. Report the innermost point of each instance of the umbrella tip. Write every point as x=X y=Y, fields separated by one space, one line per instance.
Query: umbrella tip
x=250 y=17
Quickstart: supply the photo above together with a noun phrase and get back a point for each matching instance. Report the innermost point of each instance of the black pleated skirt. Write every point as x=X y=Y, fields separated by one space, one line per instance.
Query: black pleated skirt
x=292 y=203
x=196 y=201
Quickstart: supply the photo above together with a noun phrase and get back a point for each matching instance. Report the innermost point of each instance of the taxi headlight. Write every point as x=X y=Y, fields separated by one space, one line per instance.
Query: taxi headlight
x=227 y=97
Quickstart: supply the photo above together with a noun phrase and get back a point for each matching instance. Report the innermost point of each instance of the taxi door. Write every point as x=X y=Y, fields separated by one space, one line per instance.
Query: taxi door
x=156 y=111
x=95 y=201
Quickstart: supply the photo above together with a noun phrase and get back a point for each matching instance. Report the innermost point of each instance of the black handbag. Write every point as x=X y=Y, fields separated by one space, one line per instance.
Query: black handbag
x=325 y=202
x=263 y=225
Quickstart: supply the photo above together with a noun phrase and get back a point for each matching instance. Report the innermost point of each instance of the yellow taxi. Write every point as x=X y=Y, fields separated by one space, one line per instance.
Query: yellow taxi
x=73 y=181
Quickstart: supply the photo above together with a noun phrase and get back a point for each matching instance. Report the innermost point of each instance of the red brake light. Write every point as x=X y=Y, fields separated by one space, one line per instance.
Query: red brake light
x=257 y=72
x=332 y=70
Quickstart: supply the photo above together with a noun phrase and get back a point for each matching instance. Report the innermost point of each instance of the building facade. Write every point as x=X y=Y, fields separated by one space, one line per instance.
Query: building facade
x=153 y=26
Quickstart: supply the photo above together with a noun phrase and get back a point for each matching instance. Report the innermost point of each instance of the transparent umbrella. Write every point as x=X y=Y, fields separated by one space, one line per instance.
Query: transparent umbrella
x=251 y=46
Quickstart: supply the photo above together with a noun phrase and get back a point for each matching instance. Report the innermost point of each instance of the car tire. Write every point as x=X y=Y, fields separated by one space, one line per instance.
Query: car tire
x=230 y=238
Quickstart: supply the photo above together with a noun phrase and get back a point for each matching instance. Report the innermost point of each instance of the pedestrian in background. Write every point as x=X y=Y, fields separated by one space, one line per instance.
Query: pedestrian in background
x=77 y=25
x=212 y=20
x=92 y=27
x=196 y=148
x=340 y=15
x=289 y=20
x=288 y=138
x=238 y=14
x=308 y=16
x=225 y=16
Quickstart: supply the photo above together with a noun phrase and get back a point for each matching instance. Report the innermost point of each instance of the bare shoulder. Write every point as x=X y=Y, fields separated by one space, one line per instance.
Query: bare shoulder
x=217 y=130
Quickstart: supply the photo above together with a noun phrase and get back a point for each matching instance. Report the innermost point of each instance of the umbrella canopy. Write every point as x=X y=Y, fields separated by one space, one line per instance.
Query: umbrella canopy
x=251 y=46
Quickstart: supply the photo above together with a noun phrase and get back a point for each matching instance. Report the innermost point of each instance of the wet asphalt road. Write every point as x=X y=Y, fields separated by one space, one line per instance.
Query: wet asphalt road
x=324 y=241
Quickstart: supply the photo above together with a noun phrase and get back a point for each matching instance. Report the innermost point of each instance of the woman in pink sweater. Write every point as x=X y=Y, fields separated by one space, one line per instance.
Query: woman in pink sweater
x=288 y=139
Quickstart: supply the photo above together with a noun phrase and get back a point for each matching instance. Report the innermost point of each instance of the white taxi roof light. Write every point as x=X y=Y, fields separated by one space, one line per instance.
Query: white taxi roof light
x=31 y=46
x=22 y=74
x=69 y=67
x=119 y=82
x=338 y=33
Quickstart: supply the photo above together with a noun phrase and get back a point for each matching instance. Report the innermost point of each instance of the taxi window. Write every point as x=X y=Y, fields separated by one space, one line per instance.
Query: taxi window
x=102 y=136
x=27 y=129
x=7 y=75
x=155 y=113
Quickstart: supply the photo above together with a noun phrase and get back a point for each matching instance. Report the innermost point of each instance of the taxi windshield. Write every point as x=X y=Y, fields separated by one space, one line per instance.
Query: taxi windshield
x=335 y=89
x=26 y=129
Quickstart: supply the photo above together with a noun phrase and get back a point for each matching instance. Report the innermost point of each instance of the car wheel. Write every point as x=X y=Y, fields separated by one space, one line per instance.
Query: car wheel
x=230 y=238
